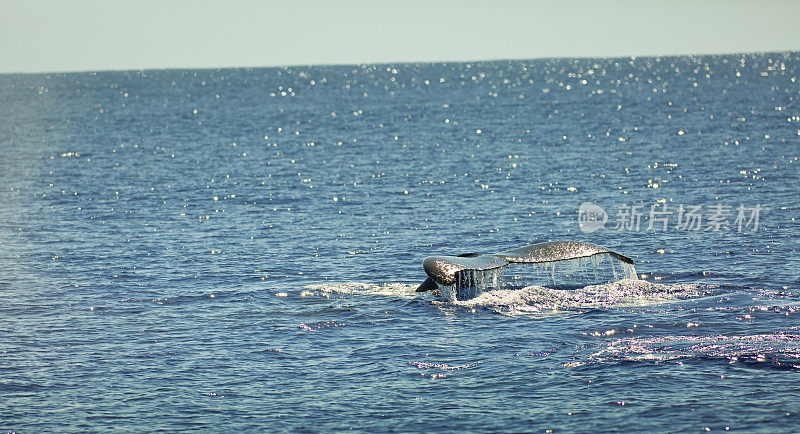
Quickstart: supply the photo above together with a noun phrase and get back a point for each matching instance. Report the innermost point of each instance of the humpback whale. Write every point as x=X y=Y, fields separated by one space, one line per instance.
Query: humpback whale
x=553 y=263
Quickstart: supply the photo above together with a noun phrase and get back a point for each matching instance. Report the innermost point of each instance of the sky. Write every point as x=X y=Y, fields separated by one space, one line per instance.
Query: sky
x=85 y=35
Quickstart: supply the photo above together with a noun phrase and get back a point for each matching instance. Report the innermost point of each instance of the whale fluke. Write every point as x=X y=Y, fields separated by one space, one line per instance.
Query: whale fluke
x=428 y=285
x=482 y=271
x=557 y=251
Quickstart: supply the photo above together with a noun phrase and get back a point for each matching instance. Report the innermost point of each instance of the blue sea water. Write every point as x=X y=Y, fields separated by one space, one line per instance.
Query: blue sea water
x=238 y=249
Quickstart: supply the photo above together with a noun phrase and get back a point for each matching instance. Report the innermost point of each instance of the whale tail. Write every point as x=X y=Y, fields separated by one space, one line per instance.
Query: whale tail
x=561 y=264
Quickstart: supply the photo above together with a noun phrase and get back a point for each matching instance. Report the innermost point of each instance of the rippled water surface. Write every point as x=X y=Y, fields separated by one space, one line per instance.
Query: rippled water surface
x=239 y=249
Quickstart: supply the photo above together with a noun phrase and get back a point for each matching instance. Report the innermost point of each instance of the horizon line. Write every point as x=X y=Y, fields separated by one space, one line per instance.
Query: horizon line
x=400 y=62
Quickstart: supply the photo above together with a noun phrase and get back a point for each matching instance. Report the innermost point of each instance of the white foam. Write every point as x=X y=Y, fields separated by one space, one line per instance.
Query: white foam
x=530 y=300
x=386 y=289
x=539 y=299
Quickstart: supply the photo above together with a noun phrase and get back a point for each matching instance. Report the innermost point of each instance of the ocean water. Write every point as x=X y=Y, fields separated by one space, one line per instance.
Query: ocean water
x=238 y=249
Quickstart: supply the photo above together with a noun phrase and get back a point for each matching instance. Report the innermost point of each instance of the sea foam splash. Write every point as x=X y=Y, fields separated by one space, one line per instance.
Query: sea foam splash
x=533 y=300
x=386 y=289
x=622 y=293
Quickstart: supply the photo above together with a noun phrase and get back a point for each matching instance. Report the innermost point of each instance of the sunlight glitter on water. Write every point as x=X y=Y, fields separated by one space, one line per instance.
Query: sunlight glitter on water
x=779 y=348
x=314 y=320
